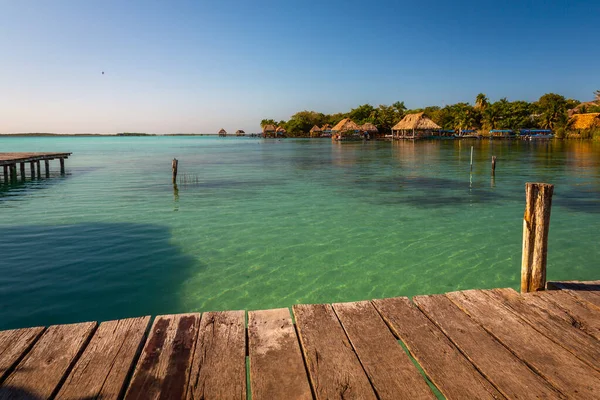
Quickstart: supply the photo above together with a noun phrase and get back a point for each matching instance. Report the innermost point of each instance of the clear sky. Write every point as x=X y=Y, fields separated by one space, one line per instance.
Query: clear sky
x=197 y=66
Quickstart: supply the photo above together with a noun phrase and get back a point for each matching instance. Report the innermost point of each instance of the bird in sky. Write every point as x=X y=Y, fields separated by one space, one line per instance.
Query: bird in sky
x=102 y=72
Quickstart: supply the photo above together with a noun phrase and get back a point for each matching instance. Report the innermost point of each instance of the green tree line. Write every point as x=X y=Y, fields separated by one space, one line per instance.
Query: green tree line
x=551 y=111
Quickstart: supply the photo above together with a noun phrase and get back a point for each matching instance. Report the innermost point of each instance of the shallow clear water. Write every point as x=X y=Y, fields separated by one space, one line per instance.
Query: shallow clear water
x=270 y=223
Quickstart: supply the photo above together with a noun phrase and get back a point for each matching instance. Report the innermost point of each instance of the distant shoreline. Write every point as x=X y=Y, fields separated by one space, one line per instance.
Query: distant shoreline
x=103 y=134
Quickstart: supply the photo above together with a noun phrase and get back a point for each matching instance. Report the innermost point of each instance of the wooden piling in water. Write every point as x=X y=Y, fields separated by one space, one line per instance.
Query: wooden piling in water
x=32 y=168
x=5 y=173
x=536 y=225
x=493 y=165
x=22 y=165
x=13 y=172
x=174 y=166
x=47 y=165
x=39 y=169
x=62 y=166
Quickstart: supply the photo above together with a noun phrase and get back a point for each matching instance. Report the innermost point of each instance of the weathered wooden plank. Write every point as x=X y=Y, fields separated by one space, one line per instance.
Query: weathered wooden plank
x=578 y=313
x=14 y=344
x=443 y=363
x=333 y=367
x=105 y=363
x=163 y=369
x=501 y=367
x=566 y=372
x=276 y=366
x=541 y=316
x=390 y=371
x=42 y=370
x=219 y=366
x=590 y=297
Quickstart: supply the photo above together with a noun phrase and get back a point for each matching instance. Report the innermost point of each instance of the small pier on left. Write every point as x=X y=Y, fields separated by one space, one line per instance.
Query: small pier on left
x=9 y=162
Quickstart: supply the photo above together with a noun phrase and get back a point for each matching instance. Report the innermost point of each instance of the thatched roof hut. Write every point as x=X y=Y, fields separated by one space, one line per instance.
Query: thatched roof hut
x=326 y=128
x=416 y=122
x=369 y=127
x=280 y=129
x=269 y=128
x=585 y=121
x=315 y=129
x=222 y=132
x=240 y=132
x=346 y=125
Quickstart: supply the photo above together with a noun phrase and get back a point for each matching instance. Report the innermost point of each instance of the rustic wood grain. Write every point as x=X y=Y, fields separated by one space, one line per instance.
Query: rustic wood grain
x=536 y=225
x=163 y=368
x=566 y=372
x=105 y=363
x=389 y=368
x=443 y=363
x=14 y=344
x=334 y=369
x=577 y=312
x=42 y=370
x=542 y=317
x=276 y=366
x=501 y=367
x=12 y=158
x=219 y=366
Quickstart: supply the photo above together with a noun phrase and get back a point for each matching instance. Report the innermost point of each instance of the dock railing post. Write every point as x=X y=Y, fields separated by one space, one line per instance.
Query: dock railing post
x=536 y=225
x=174 y=166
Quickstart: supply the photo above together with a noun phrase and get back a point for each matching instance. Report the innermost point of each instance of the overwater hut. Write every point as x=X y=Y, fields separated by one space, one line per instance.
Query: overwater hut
x=326 y=130
x=345 y=125
x=415 y=126
x=369 y=128
x=280 y=131
x=269 y=130
x=240 y=132
x=585 y=121
x=315 y=131
x=222 y=132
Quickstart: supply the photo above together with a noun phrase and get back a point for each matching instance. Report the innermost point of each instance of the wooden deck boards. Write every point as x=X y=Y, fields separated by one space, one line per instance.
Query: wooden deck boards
x=12 y=158
x=480 y=344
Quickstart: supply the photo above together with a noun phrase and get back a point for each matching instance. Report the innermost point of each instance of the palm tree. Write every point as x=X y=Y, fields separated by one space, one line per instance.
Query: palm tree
x=481 y=101
x=597 y=95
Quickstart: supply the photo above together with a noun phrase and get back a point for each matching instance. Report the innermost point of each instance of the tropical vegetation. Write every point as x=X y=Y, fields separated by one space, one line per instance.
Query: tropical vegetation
x=550 y=111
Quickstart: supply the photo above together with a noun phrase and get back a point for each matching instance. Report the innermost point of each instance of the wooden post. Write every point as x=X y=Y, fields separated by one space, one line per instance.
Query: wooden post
x=174 y=166
x=5 y=173
x=47 y=165
x=39 y=169
x=493 y=165
x=22 y=171
x=62 y=166
x=471 y=158
x=536 y=224
x=13 y=172
x=32 y=168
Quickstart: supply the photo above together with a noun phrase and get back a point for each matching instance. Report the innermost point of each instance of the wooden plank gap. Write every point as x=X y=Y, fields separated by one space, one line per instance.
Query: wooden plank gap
x=312 y=389
x=13 y=353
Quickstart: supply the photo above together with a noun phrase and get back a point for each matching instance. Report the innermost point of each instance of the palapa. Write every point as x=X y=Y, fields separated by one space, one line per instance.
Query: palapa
x=269 y=128
x=326 y=128
x=585 y=121
x=280 y=129
x=369 y=127
x=346 y=125
x=222 y=132
x=416 y=122
x=315 y=129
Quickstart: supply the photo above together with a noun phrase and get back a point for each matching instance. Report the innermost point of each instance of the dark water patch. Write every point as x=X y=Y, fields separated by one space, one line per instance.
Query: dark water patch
x=577 y=199
x=83 y=272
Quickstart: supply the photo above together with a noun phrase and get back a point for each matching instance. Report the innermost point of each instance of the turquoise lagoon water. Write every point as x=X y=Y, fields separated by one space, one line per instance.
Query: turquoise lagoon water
x=271 y=223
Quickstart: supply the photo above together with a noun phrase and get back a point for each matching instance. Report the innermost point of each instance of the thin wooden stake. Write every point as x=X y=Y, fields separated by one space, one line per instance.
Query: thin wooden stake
x=174 y=166
x=471 y=158
x=536 y=225
x=493 y=165
x=62 y=166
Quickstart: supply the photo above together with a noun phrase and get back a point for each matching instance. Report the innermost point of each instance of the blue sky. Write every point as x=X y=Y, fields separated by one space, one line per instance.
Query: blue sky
x=197 y=66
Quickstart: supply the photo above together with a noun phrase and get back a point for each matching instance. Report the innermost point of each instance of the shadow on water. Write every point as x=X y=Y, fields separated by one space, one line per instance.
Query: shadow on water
x=83 y=272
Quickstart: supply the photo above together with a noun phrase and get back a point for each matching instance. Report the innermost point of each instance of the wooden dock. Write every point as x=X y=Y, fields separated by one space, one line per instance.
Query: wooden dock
x=9 y=163
x=474 y=344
